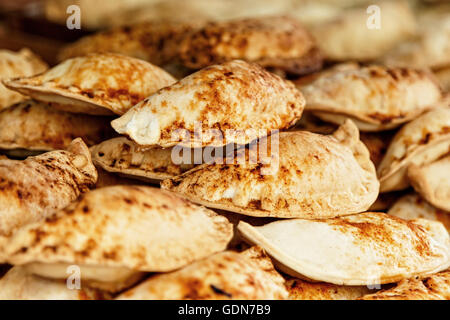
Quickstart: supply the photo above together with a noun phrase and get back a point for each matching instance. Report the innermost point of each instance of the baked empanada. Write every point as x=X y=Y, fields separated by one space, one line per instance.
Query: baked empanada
x=412 y=206
x=224 y=276
x=115 y=234
x=430 y=48
x=17 y=64
x=422 y=141
x=18 y=284
x=304 y=290
x=434 y=287
x=375 y=97
x=33 y=189
x=432 y=182
x=121 y=155
x=363 y=249
x=349 y=37
x=305 y=175
x=234 y=102
x=154 y=41
x=97 y=84
x=276 y=43
x=36 y=126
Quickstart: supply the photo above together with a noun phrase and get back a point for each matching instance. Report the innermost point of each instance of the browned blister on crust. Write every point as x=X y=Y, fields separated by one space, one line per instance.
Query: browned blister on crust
x=18 y=284
x=224 y=276
x=153 y=41
x=34 y=125
x=304 y=290
x=23 y=63
x=123 y=156
x=422 y=141
x=412 y=206
x=305 y=175
x=272 y=42
x=35 y=188
x=123 y=229
x=432 y=182
x=98 y=84
x=434 y=287
x=234 y=102
x=363 y=249
x=375 y=97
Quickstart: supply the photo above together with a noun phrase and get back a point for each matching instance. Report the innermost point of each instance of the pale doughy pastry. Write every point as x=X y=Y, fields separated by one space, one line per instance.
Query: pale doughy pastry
x=115 y=234
x=375 y=97
x=18 y=284
x=23 y=63
x=353 y=34
x=234 y=102
x=98 y=84
x=422 y=141
x=305 y=175
x=413 y=206
x=33 y=189
x=432 y=182
x=153 y=41
x=224 y=276
x=123 y=156
x=36 y=126
x=363 y=249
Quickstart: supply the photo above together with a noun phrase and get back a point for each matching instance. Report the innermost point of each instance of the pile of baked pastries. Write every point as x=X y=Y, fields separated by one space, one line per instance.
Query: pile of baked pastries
x=246 y=159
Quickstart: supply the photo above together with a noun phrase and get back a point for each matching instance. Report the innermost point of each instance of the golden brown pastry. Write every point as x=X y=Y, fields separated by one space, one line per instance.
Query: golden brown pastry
x=422 y=141
x=276 y=43
x=33 y=189
x=116 y=234
x=97 y=84
x=377 y=98
x=33 y=125
x=224 y=276
x=23 y=63
x=123 y=156
x=234 y=102
x=305 y=175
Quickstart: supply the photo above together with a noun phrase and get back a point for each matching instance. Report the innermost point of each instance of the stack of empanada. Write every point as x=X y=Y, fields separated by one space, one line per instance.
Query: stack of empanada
x=233 y=182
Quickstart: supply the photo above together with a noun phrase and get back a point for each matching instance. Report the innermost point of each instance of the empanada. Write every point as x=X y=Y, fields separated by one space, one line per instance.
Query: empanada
x=18 y=284
x=308 y=176
x=375 y=97
x=434 y=287
x=97 y=84
x=363 y=249
x=33 y=189
x=276 y=43
x=224 y=276
x=121 y=155
x=234 y=102
x=412 y=206
x=33 y=125
x=432 y=182
x=429 y=49
x=304 y=290
x=421 y=141
x=17 y=64
x=115 y=234
x=349 y=37
x=153 y=41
